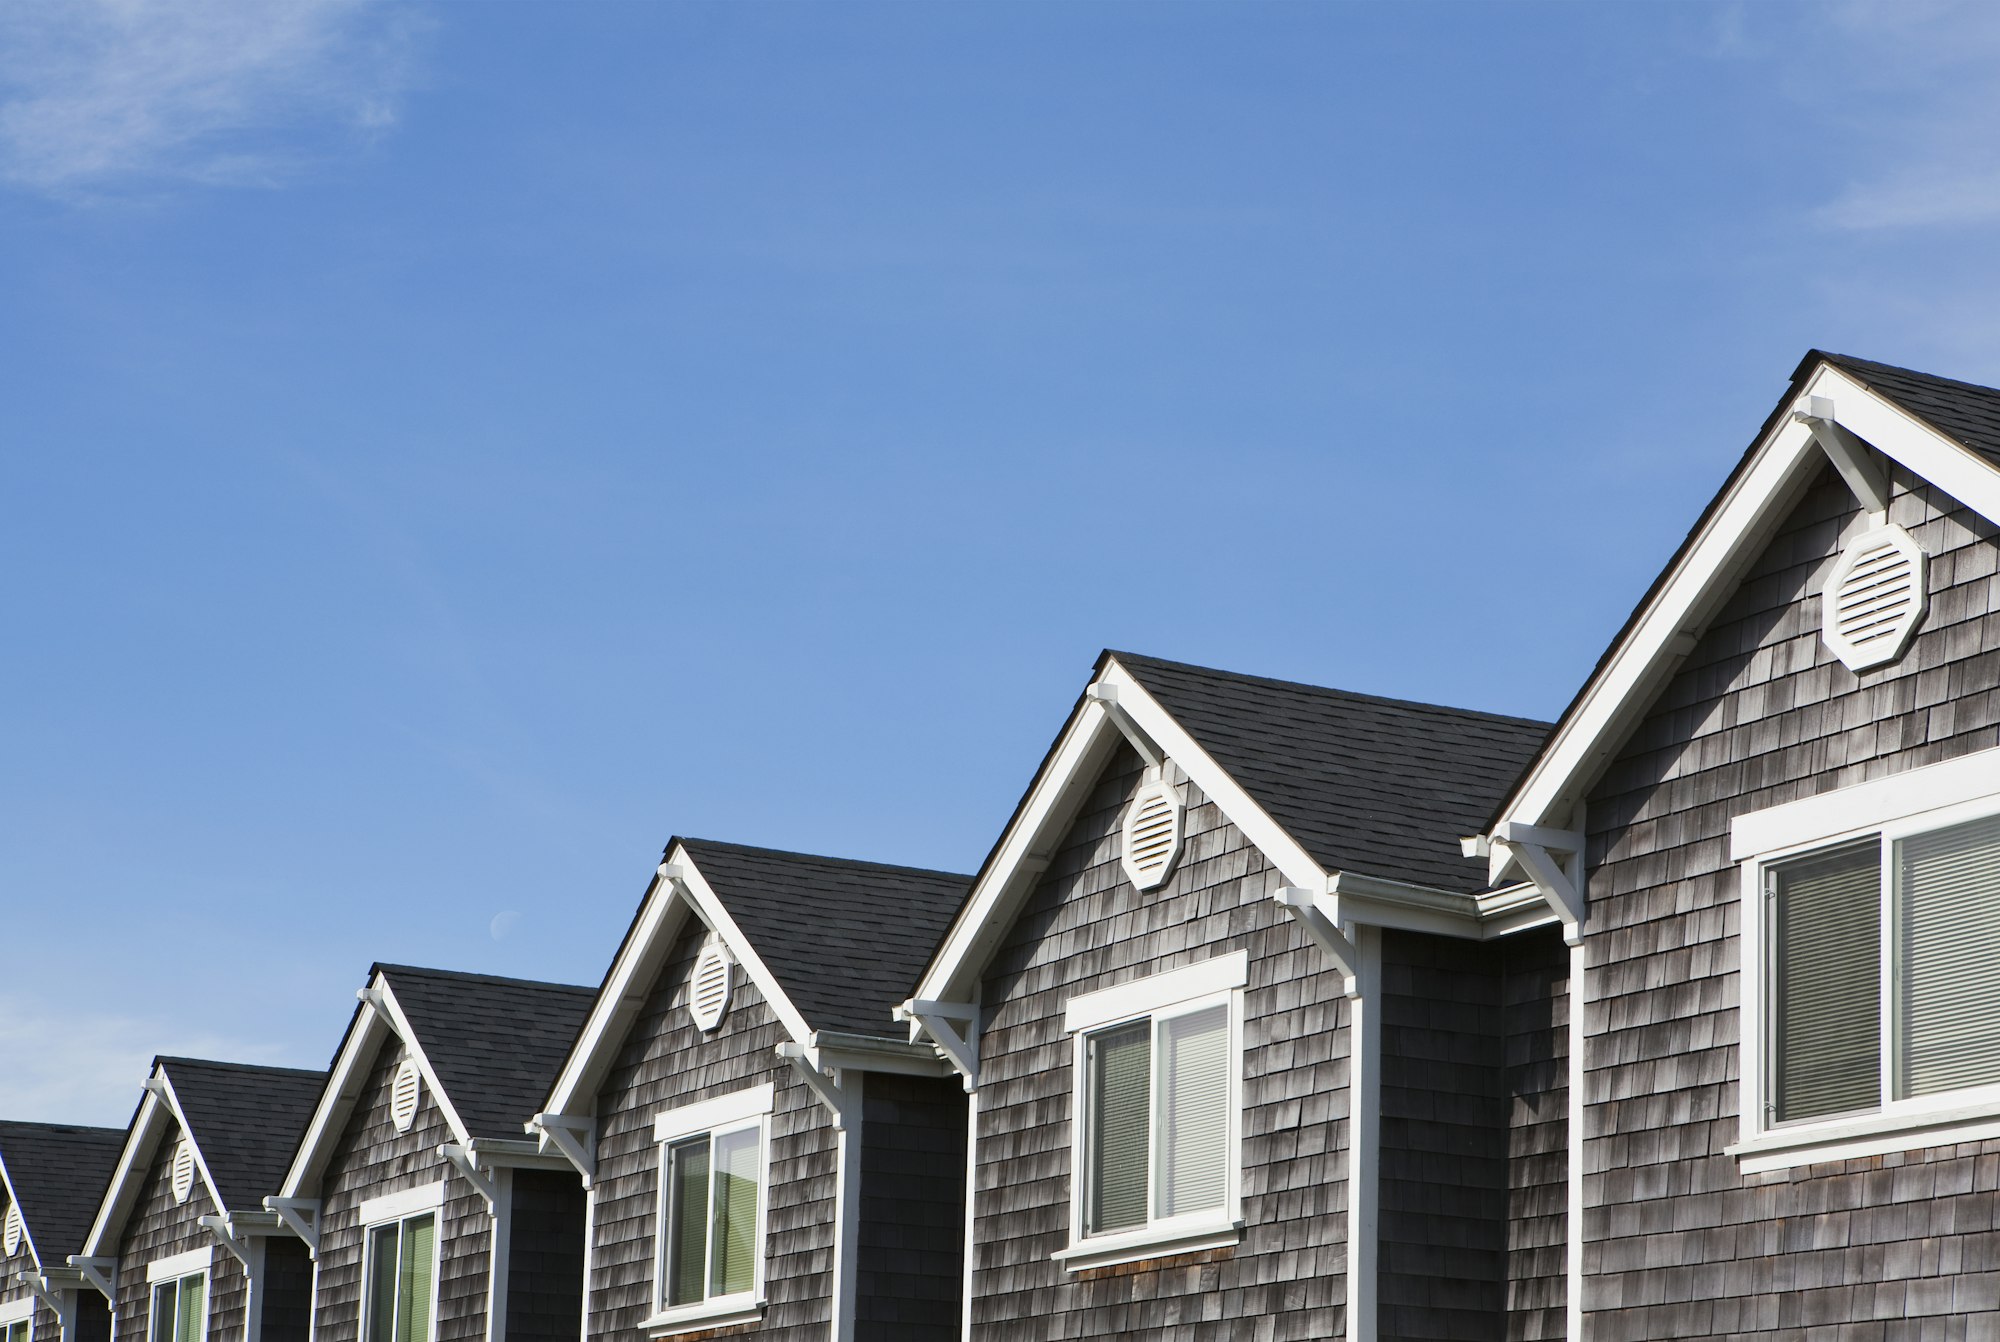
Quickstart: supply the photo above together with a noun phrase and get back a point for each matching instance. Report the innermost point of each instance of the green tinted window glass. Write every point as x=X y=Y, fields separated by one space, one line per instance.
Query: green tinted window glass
x=687 y=1219
x=194 y=1296
x=1118 y=1069
x=166 y=1310
x=734 y=1243
x=382 y=1261
x=416 y=1265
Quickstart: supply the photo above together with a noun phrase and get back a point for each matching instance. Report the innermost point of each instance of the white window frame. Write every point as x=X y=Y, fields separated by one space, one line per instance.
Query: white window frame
x=1216 y=982
x=394 y=1209
x=1899 y=806
x=180 y=1268
x=740 y=1111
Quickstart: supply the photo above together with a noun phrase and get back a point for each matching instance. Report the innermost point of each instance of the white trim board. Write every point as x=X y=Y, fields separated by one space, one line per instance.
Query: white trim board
x=17 y=1311
x=180 y=1265
x=704 y=1115
x=396 y=1206
x=1761 y=492
x=1866 y=806
x=1155 y=992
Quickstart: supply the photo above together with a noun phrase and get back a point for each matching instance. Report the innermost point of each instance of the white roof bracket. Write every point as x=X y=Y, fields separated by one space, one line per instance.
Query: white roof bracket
x=953 y=1029
x=219 y=1227
x=1304 y=907
x=300 y=1216
x=39 y=1286
x=467 y=1164
x=824 y=1085
x=1552 y=859
x=1106 y=697
x=572 y=1138
x=1854 y=459
x=99 y=1272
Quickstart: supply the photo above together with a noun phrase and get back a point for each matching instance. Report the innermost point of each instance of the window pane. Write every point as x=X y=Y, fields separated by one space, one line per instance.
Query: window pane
x=1118 y=1069
x=194 y=1291
x=1826 y=1018
x=1193 y=1112
x=735 y=1238
x=687 y=1219
x=382 y=1283
x=166 y=1311
x=416 y=1265
x=1948 y=958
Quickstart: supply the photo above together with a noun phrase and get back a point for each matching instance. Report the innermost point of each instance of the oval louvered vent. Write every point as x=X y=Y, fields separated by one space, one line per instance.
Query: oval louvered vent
x=1152 y=835
x=404 y=1092
x=1875 y=598
x=708 y=991
x=183 y=1173
x=11 y=1239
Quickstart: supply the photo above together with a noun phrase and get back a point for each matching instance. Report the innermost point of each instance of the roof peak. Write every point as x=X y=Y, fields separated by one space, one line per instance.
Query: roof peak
x=469 y=976
x=167 y=1059
x=855 y=863
x=1353 y=696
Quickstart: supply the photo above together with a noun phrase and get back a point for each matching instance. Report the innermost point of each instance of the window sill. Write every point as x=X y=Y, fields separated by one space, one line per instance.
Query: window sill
x=1867 y=1135
x=737 y=1309
x=1155 y=1241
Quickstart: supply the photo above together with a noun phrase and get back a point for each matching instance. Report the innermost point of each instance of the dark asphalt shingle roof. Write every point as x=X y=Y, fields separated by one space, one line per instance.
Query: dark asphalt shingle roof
x=496 y=1044
x=59 y=1173
x=246 y=1121
x=1962 y=410
x=1379 y=787
x=845 y=939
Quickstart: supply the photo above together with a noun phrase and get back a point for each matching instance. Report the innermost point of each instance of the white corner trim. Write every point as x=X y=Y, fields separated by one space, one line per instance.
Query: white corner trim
x=180 y=1265
x=1155 y=992
x=15 y=1311
x=1866 y=806
x=409 y=1202
x=754 y=1102
x=1190 y=1235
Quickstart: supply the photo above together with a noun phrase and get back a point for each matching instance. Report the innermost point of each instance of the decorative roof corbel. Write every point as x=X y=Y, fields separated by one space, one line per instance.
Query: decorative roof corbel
x=1304 y=907
x=572 y=1137
x=1854 y=459
x=467 y=1164
x=953 y=1030
x=1551 y=858
x=99 y=1272
x=300 y=1216
x=822 y=1081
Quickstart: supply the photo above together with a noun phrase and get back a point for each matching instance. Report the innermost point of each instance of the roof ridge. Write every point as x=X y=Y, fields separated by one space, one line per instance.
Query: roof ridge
x=165 y=1058
x=790 y=855
x=1355 y=696
x=1855 y=360
x=471 y=976
x=7 y=1124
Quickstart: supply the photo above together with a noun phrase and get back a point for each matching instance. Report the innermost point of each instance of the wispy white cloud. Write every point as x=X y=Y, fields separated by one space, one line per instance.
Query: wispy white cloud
x=88 y=1069
x=103 y=97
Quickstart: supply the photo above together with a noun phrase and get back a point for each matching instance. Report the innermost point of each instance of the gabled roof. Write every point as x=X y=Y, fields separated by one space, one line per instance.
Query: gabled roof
x=1944 y=431
x=56 y=1175
x=487 y=1048
x=493 y=1043
x=843 y=938
x=830 y=942
x=1378 y=786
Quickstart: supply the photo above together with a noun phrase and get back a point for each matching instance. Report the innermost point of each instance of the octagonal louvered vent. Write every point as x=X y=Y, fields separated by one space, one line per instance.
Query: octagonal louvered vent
x=183 y=1171
x=1152 y=837
x=1875 y=598
x=10 y=1238
x=404 y=1094
x=708 y=990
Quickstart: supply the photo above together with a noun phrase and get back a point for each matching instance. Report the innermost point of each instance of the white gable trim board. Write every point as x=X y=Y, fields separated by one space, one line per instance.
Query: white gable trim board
x=27 y=1231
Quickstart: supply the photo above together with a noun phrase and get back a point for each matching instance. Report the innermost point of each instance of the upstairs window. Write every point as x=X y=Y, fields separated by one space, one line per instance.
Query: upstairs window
x=17 y=1320
x=1158 y=1062
x=16 y=1331
x=400 y=1269
x=713 y=1161
x=180 y=1308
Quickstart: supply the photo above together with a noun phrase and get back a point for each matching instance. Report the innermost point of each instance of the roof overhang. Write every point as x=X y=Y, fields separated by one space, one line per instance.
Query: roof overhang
x=1734 y=530
x=159 y=1115
x=14 y=1200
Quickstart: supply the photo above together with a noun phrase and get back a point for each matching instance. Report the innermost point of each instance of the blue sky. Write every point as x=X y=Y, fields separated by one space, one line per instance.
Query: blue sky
x=450 y=449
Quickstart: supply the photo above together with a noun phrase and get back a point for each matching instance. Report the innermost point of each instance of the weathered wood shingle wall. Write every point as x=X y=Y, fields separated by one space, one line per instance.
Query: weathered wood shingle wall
x=46 y=1326
x=371 y=1159
x=1534 y=1013
x=545 y=1257
x=286 y=1311
x=666 y=1062
x=160 y=1228
x=1085 y=928
x=1678 y=1243
x=910 y=1274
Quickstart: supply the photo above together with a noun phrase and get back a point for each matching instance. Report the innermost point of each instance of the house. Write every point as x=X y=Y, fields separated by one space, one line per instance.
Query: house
x=429 y=1215
x=51 y=1177
x=764 y=1148
x=1253 y=1048
x=180 y=1244
x=1768 y=823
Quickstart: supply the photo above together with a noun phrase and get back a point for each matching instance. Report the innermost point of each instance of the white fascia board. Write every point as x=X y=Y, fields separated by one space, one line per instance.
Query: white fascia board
x=1733 y=536
x=27 y=1231
x=400 y=1023
x=1066 y=777
x=619 y=1001
x=711 y=911
x=142 y=1140
x=337 y=1100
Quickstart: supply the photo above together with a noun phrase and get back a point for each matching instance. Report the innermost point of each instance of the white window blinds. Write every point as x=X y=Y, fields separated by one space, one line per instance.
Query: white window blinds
x=1948 y=959
x=1118 y=1066
x=1193 y=1112
x=1826 y=920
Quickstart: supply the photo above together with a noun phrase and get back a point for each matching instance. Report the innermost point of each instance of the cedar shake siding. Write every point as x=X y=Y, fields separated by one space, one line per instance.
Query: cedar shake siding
x=1084 y=928
x=545 y=1257
x=370 y=1159
x=160 y=1228
x=287 y=1290
x=1679 y=1243
x=1472 y=1165
x=910 y=1269
x=93 y=1318
x=665 y=1062
x=47 y=1327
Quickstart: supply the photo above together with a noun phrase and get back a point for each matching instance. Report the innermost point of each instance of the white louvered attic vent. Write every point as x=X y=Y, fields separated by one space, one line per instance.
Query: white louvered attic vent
x=11 y=1239
x=183 y=1172
x=1875 y=598
x=708 y=990
x=404 y=1093
x=1152 y=838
